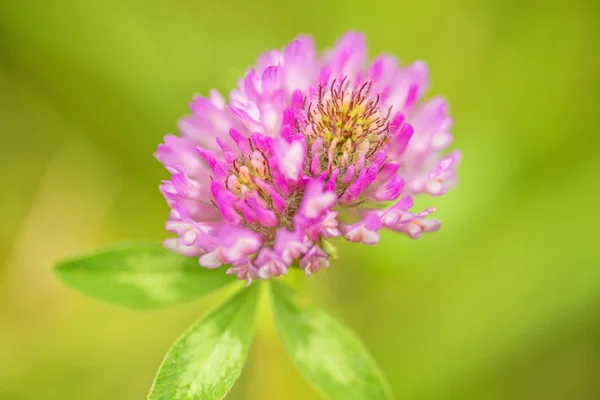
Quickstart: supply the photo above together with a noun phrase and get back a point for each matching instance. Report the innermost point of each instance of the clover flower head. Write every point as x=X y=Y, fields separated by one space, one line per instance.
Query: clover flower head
x=309 y=146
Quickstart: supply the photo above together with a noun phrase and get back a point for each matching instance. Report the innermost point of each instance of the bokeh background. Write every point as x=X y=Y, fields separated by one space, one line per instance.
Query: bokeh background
x=502 y=303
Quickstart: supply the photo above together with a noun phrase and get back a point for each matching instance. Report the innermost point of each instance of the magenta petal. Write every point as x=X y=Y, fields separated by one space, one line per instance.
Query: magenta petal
x=299 y=64
x=288 y=118
x=244 y=271
x=364 y=231
x=291 y=158
x=297 y=99
x=354 y=190
x=289 y=245
x=271 y=79
x=263 y=215
x=382 y=70
x=181 y=152
x=388 y=191
x=348 y=175
x=226 y=202
x=314 y=260
x=396 y=123
x=278 y=201
x=240 y=140
x=388 y=170
x=261 y=142
x=349 y=55
x=331 y=185
x=316 y=201
x=249 y=85
x=270 y=264
x=218 y=167
x=400 y=142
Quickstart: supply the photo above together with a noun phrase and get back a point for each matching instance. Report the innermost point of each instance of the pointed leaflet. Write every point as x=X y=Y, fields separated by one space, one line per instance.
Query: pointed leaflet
x=326 y=352
x=205 y=361
x=140 y=275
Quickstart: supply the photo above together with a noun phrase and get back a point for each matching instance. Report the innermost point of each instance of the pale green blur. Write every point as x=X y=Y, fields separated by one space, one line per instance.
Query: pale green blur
x=502 y=303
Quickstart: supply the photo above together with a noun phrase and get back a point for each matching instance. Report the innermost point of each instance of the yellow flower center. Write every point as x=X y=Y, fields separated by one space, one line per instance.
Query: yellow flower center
x=349 y=123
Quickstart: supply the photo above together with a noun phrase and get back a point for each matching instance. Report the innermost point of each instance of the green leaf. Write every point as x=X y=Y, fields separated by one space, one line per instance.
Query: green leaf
x=326 y=352
x=205 y=361
x=140 y=275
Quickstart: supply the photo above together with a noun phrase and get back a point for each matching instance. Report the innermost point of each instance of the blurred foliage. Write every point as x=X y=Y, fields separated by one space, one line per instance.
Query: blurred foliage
x=502 y=303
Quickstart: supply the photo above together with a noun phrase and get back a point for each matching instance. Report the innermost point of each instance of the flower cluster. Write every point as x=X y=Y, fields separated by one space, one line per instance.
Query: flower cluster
x=310 y=146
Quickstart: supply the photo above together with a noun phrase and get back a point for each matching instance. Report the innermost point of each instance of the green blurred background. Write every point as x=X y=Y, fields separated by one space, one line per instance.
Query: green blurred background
x=502 y=303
